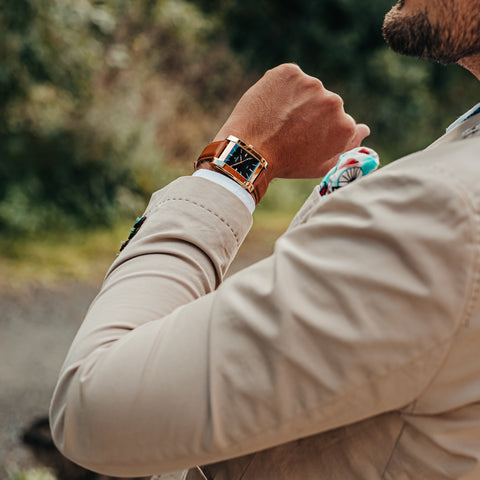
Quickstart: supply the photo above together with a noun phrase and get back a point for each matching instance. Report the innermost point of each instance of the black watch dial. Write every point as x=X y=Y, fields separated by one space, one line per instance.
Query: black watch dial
x=242 y=162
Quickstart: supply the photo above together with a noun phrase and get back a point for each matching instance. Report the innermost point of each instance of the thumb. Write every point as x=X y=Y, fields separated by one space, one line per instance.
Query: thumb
x=361 y=132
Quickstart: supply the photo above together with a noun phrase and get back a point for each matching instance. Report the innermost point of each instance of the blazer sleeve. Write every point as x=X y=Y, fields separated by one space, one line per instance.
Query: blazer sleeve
x=350 y=317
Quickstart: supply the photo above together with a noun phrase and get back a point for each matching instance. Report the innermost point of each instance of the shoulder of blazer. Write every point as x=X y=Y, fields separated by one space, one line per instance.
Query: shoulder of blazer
x=463 y=132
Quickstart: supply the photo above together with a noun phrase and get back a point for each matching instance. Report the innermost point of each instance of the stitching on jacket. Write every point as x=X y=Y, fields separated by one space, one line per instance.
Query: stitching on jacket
x=172 y=199
x=242 y=476
x=441 y=174
x=397 y=441
x=475 y=287
x=473 y=284
x=475 y=280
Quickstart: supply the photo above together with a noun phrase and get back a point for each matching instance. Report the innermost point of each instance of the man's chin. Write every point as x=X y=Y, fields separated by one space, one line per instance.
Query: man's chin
x=407 y=34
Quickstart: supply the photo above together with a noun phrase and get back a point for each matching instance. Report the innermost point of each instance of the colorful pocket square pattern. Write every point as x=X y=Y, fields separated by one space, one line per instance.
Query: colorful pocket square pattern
x=351 y=165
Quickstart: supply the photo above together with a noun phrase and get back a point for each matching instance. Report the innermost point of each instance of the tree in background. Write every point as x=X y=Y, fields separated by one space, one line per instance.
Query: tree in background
x=103 y=102
x=56 y=169
x=93 y=97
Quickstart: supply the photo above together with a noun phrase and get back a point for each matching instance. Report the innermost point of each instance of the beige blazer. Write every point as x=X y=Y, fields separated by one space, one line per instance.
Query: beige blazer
x=353 y=352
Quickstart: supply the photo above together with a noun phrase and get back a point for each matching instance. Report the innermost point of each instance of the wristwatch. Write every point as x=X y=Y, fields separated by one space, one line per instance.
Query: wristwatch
x=239 y=161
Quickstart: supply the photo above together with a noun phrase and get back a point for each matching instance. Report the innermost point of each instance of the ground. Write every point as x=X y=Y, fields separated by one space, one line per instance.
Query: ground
x=38 y=320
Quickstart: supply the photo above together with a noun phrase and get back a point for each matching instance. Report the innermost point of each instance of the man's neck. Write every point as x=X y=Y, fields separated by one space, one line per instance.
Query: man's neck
x=472 y=64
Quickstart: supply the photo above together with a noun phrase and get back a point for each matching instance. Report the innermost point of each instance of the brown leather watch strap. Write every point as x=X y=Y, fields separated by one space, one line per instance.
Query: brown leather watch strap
x=261 y=185
x=212 y=150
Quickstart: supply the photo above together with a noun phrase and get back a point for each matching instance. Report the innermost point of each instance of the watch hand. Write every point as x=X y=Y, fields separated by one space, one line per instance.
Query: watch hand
x=241 y=161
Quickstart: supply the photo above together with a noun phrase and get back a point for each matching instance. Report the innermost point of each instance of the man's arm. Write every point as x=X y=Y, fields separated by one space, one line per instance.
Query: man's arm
x=163 y=375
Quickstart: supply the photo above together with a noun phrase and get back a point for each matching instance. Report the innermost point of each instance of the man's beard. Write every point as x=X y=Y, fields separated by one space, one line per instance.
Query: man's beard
x=416 y=36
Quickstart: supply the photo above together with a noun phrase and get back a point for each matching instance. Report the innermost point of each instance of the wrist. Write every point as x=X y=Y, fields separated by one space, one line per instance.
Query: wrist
x=239 y=161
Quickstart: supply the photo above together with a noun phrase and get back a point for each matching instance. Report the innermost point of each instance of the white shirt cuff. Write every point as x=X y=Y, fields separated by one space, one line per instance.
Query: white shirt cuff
x=229 y=184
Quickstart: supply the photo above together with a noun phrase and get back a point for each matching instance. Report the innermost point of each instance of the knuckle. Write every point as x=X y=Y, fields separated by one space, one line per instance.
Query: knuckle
x=290 y=68
x=313 y=83
x=334 y=101
x=286 y=71
x=348 y=126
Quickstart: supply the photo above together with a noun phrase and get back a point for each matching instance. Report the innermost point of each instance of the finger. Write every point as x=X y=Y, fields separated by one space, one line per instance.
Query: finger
x=363 y=131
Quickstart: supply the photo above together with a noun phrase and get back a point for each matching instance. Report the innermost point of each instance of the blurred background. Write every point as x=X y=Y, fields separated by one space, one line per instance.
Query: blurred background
x=103 y=102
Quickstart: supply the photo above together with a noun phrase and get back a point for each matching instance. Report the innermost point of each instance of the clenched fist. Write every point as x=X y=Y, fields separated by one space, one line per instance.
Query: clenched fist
x=294 y=122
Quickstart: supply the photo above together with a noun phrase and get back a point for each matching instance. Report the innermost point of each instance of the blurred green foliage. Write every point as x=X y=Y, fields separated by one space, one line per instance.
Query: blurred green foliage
x=56 y=169
x=102 y=102
x=93 y=97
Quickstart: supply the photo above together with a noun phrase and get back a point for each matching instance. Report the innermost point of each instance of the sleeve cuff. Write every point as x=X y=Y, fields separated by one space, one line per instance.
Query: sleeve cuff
x=229 y=184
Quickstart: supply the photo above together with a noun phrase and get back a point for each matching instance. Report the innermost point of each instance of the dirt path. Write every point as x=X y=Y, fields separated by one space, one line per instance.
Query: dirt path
x=37 y=325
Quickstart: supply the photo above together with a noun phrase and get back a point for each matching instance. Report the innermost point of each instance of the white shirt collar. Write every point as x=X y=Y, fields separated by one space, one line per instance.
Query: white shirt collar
x=473 y=111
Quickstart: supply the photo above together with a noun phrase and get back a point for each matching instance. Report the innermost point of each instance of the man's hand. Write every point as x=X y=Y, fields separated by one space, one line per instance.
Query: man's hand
x=295 y=123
